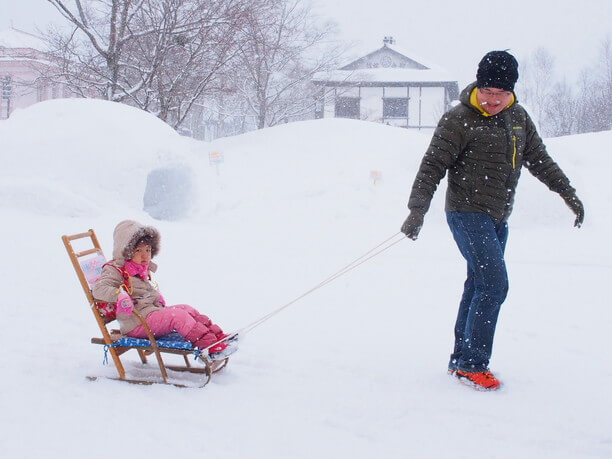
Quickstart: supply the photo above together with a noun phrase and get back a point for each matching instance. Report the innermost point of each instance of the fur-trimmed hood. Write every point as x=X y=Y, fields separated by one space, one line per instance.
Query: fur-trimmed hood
x=126 y=235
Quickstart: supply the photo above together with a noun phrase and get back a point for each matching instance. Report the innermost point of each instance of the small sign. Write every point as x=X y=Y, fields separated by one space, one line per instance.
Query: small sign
x=375 y=176
x=92 y=268
x=215 y=157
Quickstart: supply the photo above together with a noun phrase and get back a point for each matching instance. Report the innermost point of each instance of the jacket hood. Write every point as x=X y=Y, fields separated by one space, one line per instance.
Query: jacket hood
x=126 y=235
x=465 y=97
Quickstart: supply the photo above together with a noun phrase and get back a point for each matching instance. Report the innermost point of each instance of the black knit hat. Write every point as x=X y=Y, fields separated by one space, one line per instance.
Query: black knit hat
x=497 y=69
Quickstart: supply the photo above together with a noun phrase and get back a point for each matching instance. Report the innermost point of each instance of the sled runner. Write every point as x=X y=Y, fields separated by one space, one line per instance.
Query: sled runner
x=88 y=266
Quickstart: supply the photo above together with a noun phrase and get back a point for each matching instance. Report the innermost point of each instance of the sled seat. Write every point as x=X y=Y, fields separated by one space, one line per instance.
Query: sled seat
x=88 y=265
x=170 y=341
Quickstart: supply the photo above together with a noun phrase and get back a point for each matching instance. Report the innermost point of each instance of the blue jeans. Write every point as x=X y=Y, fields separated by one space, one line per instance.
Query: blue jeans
x=481 y=241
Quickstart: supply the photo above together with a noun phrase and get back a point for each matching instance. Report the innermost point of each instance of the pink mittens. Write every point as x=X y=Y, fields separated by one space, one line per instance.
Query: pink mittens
x=124 y=304
x=161 y=300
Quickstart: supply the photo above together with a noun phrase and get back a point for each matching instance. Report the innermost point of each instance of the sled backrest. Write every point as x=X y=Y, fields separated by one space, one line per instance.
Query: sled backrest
x=87 y=263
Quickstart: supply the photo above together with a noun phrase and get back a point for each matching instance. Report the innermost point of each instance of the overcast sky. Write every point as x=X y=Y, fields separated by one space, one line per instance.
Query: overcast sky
x=452 y=33
x=457 y=33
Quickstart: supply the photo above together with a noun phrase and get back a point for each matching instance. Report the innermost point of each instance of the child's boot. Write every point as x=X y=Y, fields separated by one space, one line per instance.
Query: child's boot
x=200 y=336
x=230 y=338
x=221 y=351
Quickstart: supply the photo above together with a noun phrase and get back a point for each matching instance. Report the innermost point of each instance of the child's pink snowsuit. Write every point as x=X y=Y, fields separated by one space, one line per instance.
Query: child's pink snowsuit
x=145 y=298
x=186 y=320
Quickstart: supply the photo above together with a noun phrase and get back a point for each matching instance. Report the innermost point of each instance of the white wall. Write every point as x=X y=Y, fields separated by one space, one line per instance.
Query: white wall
x=431 y=103
x=432 y=106
x=371 y=104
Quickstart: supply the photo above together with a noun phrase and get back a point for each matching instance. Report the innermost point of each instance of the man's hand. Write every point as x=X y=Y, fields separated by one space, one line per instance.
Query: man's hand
x=575 y=204
x=413 y=224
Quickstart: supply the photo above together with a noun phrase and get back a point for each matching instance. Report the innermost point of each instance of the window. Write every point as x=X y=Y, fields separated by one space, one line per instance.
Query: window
x=347 y=107
x=395 y=107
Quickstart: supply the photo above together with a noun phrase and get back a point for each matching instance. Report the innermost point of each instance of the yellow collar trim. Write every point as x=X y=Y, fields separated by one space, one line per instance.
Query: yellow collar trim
x=474 y=102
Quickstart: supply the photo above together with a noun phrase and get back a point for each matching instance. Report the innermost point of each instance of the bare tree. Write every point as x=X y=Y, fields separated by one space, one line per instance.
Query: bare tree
x=561 y=110
x=106 y=28
x=188 y=60
x=593 y=112
x=603 y=86
x=159 y=55
x=537 y=81
x=282 y=46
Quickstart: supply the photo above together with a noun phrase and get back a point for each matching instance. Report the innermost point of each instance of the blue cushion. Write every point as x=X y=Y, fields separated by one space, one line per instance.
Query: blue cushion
x=172 y=340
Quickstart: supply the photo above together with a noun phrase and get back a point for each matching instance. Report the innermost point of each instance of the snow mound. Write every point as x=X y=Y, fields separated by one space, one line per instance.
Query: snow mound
x=79 y=155
x=338 y=165
x=269 y=215
x=92 y=157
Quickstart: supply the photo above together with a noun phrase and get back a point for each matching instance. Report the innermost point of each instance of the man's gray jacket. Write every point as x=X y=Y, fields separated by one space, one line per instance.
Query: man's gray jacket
x=483 y=155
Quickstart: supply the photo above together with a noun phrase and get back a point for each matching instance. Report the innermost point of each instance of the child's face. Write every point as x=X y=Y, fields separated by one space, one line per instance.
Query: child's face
x=142 y=254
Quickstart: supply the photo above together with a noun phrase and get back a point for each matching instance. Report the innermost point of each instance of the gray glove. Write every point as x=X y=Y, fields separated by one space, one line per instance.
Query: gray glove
x=413 y=225
x=575 y=204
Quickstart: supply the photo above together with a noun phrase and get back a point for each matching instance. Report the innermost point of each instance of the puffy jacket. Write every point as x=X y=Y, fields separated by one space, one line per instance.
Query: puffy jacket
x=483 y=155
x=145 y=296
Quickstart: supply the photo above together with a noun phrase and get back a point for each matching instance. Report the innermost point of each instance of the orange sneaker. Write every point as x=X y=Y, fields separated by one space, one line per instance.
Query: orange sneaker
x=481 y=380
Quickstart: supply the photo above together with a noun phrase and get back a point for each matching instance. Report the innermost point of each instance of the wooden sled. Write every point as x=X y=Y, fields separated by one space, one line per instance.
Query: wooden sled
x=88 y=265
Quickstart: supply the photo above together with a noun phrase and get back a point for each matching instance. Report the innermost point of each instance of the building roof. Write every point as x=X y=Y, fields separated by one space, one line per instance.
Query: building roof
x=408 y=58
x=388 y=65
x=383 y=75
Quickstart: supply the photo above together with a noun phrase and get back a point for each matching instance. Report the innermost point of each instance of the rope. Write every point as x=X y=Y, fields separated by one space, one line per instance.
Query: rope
x=349 y=267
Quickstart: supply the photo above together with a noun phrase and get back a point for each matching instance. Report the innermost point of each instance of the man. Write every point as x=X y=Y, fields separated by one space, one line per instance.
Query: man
x=483 y=142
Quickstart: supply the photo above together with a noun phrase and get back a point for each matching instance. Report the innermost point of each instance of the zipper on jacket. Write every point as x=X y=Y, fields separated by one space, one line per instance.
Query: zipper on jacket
x=514 y=151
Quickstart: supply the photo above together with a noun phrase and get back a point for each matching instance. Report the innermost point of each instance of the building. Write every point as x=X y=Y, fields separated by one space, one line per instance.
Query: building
x=22 y=63
x=387 y=86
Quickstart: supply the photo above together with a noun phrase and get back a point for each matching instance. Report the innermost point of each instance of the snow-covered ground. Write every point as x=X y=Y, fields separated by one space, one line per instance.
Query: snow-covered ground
x=356 y=369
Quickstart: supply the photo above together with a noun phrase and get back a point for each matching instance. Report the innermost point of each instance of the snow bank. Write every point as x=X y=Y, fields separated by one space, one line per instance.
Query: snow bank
x=92 y=157
x=75 y=157
x=337 y=165
x=355 y=370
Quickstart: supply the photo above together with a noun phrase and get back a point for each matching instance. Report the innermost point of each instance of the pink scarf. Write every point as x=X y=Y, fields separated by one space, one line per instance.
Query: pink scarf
x=134 y=269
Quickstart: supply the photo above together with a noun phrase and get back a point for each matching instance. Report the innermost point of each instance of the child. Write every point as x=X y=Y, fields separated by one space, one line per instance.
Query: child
x=126 y=281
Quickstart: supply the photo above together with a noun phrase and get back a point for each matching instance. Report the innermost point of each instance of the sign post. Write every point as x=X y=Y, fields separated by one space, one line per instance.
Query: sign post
x=375 y=176
x=215 y=158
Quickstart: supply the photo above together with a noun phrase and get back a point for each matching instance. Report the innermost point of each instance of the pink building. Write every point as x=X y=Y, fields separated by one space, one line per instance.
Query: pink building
x=22 y=65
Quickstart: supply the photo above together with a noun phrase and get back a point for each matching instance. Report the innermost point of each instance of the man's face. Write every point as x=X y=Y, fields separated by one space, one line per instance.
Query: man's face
x=493 y=100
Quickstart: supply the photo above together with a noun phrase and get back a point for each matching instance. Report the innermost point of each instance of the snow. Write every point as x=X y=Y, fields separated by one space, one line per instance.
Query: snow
x=69 y=144
x=357 y=368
